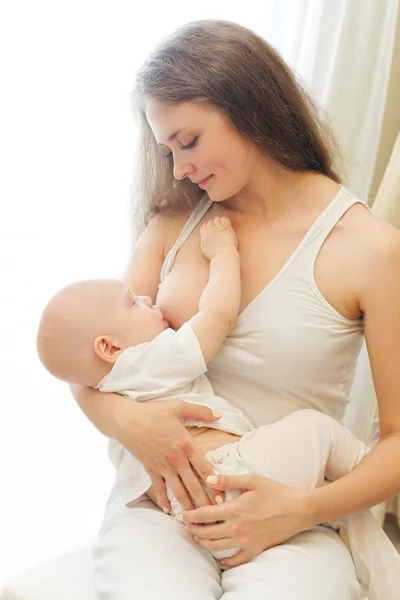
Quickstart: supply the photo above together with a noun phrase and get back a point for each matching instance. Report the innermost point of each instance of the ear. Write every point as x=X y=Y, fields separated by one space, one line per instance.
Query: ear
x=107 y=348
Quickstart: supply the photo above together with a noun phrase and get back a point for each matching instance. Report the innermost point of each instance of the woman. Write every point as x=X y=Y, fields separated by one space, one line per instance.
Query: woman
x=221 y=113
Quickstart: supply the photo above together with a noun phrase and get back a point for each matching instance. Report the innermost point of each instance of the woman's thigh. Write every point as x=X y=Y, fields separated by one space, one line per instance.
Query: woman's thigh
x=143 y=554
x=313 y=565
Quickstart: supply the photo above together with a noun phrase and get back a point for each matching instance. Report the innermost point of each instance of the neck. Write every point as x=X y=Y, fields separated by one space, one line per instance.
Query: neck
x=271 y=189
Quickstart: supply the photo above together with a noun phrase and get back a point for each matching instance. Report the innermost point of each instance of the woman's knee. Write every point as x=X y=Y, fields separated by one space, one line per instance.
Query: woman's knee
x=314 y=565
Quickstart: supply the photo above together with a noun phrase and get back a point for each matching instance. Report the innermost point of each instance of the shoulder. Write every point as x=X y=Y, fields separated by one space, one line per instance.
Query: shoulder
x=376 y=238
x=365 y=234
x=143 y=271
x=164 y=228
x=381 y=281
x=374 y=252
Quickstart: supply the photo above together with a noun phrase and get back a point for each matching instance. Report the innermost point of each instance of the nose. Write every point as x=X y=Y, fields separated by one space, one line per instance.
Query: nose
x=182 y=169
x=147 y=301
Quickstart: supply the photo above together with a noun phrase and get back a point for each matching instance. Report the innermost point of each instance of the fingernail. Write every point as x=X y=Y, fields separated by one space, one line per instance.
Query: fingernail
x=187 y=528
x=165 y=509
x=212 y=479
x=217 y=413
x=218 y=500
x=196 y=539
x=179 y=518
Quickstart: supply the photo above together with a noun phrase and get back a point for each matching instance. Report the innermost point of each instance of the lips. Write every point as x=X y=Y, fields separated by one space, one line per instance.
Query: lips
x=204 y=182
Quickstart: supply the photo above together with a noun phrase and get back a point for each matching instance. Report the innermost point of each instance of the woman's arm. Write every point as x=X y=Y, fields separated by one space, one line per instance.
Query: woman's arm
x=104 y=410
x=377 y=477
x=154 y=434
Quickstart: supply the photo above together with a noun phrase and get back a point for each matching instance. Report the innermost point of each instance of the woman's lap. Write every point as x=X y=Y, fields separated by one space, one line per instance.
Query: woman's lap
x=144 y=554
x=313 y=565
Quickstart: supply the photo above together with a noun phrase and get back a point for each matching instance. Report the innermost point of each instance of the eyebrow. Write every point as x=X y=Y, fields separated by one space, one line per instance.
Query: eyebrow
x=173 y=135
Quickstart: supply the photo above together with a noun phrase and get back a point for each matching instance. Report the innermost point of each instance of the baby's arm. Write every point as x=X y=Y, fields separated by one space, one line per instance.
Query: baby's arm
x=220 y=300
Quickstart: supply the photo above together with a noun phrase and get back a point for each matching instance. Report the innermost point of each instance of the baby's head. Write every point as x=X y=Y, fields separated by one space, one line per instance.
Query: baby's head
x=87 y=325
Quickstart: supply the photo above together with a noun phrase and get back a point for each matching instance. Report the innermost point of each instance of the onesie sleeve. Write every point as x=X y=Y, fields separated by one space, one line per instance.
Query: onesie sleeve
x=171 y=360
x=174 y=358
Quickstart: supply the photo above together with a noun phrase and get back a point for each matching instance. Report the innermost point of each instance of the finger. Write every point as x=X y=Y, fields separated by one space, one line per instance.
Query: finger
x=209 y=532
x=186 y=410
x=161 y=493
x=241 y=558
x=179 y=491
x=203 y=468
x=196 y=491
x=224 y=544
x=233 y=482
x=210 y=514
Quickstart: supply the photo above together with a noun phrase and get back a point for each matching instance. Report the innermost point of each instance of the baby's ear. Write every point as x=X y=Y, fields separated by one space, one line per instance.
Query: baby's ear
x=107 y=348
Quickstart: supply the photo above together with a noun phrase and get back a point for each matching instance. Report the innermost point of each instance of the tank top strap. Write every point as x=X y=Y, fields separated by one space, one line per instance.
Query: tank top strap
x=193 y=220
x=327 y=220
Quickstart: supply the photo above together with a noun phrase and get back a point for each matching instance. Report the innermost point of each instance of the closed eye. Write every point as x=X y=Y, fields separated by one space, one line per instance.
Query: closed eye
x=190 y=145
x=187 y=147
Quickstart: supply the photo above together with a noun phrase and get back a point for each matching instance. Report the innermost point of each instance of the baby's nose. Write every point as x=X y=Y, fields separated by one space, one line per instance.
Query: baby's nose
x=147 y=301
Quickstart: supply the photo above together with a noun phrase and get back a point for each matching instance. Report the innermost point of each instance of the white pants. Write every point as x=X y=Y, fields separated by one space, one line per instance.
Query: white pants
x=143 y=554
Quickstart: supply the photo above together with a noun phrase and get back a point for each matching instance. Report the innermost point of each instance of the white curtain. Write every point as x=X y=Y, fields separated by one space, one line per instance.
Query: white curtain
x=343 y=51
x=67 y=138
x=387 y=201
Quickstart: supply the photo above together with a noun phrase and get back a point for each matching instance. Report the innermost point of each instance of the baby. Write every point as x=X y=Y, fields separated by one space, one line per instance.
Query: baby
x=99 y=334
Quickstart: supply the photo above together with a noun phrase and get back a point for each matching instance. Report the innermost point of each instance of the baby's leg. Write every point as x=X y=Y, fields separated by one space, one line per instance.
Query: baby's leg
x=295 y=450
x=302 y=449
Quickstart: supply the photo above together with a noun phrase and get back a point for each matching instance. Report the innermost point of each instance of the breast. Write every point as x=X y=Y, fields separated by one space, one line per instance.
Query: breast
x=179 y=294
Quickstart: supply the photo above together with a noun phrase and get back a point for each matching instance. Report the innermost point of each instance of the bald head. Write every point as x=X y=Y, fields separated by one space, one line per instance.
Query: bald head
x=71 y=321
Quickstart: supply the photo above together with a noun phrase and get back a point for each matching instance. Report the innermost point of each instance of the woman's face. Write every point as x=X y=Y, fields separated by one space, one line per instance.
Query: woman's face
x=203 y=145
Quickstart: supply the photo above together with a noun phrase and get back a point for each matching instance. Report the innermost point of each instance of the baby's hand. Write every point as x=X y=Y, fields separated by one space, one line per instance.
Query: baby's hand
x=215 y=235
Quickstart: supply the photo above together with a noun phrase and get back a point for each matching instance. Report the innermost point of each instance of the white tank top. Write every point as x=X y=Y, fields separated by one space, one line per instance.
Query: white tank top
x=289 y=348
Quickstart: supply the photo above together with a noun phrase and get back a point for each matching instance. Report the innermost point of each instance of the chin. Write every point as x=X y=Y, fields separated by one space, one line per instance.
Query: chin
x=218 y=194
x=220 y=197
x=216 y=197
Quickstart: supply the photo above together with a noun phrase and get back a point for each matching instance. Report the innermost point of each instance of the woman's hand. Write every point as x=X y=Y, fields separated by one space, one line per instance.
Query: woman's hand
x=155 y=435
x=266 y=514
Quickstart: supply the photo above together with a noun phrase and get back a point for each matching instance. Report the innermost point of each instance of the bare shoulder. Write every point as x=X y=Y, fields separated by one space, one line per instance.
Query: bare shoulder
x=375 y=237
x=373 y=248
x=165 y=227
x=144 y=268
